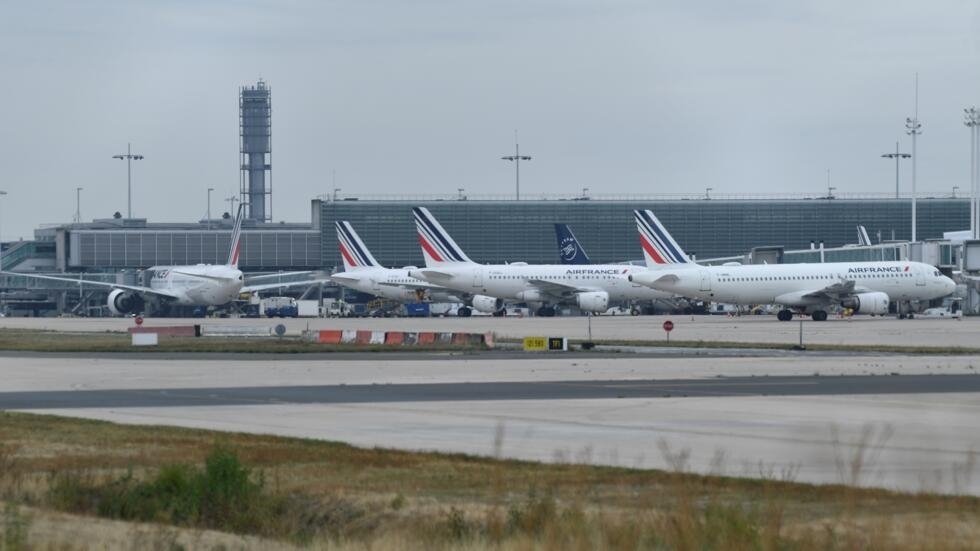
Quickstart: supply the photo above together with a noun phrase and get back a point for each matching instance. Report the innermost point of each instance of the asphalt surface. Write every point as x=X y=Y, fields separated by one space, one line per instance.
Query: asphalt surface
x=490 y=391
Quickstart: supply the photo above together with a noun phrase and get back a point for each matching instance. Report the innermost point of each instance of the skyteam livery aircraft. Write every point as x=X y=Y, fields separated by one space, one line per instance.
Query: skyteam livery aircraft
x=194 y=285
x=590 y=287
x=363 y=273
x=569 y=249
x=865 y=287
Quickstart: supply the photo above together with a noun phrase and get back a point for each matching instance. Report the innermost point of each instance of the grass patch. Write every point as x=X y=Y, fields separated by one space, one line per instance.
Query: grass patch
x=326 y=494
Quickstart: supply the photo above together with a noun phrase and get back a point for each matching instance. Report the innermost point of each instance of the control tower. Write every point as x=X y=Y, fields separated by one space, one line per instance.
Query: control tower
x=255 y=118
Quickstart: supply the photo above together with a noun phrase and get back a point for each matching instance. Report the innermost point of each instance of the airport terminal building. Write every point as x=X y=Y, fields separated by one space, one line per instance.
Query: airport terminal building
x=489 y=231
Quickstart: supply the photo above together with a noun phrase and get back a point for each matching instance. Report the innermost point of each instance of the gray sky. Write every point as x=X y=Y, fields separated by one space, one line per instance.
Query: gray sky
x=423 y=97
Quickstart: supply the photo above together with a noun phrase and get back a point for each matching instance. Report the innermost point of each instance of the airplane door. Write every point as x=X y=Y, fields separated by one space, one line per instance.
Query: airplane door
x=920 y=278
x=705 y=280
x=478 y=278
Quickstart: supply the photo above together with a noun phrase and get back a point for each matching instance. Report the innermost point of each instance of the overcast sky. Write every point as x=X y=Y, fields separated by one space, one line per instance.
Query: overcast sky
x=423 y=97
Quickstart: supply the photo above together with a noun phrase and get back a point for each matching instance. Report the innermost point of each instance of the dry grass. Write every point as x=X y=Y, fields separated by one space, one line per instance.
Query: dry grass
x=355 y=498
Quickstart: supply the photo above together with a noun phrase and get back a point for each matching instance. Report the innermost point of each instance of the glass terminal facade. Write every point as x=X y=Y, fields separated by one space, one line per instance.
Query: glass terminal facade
x=511 y=231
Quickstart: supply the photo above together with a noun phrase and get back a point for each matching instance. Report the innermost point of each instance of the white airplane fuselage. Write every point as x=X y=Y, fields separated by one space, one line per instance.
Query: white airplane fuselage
x=788 y=284
x=201 y=284
x=517 y=281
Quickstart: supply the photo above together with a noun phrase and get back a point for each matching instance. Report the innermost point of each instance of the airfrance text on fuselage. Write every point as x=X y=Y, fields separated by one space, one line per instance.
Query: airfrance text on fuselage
x=877 y=269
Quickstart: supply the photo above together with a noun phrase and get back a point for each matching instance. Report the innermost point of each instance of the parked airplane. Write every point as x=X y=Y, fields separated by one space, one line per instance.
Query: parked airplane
x=192 y=285
x=864 y=287
x=569 y=249
x=363 y=273
x=590 y=287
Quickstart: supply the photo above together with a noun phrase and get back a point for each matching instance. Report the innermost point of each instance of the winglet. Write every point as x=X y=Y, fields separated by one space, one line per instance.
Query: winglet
x=569 y=249
x=438 y=247
x=236 y=238
x=352 y=249
x=658 y=245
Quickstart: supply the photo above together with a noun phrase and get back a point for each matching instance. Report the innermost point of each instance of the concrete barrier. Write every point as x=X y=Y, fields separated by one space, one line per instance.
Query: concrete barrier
x=235 y=331
x=398 y=338
x=167 y=331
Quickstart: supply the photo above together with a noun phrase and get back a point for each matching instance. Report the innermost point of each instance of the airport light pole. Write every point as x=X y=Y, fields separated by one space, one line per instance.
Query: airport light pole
x=130 y=157
x=898 y=156
x=972 y=121
x=78 y=204
x=517 y=158
x=954 y=191
x=707 y=193
x=913 y=128
x=2 y=193
x=210 y=189
x=232 y=200
x=585 y=193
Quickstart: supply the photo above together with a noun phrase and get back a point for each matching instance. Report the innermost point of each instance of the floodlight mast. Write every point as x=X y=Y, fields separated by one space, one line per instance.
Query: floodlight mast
x=972 y=121
x=898 y=156
x=517 y=158
x=129 y=157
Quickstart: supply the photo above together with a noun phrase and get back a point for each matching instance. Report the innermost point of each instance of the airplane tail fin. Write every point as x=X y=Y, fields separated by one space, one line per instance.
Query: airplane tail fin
x=863 y=238
x=569 y=249
x=236 y=238
x=352 y=249
x=659 y=247
x=438 y=247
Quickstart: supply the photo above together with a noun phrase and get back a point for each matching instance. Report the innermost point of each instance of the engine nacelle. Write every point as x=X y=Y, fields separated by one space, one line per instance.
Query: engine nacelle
x=122 y=302
x=595 y=301
x=867 y=303
x=531 y=296
x=487 y=305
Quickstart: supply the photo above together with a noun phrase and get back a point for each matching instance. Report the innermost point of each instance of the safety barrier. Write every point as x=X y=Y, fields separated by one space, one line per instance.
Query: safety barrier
x=169 y=331
x=399 y=338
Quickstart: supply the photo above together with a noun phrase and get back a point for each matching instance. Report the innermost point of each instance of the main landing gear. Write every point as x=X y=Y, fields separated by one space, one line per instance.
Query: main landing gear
x=546 y=312
x=787 y=315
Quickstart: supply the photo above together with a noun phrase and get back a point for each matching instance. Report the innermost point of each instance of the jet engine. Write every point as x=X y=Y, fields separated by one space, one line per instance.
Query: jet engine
x=595 y=301
x=867 y=303
x=531 y=296
x=487 y=305
x=123 y=302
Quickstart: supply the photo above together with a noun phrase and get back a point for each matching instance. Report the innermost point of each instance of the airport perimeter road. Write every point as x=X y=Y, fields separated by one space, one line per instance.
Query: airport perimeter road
x=860 y=330
x=911 y=419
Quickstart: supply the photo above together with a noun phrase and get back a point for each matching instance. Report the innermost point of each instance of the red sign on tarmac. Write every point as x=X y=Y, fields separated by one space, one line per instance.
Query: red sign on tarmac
x=139 y=320
x=668 y=326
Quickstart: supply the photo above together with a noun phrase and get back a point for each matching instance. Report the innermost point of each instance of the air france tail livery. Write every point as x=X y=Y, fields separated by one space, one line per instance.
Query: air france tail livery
x=194 y=285
x=363 y=273
x=865 y=287
x=590 y=287
x=570 y=251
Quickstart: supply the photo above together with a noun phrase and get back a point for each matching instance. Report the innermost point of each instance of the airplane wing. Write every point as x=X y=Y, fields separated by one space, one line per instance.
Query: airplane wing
x=416 y=286
x=134 y=288
x=436 y=274
x=843 y=288
x=557 y=289
x=266 y=286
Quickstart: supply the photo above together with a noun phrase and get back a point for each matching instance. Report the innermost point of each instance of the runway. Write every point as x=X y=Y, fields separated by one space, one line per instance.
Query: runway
x=492 y=391
x=805 y=416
